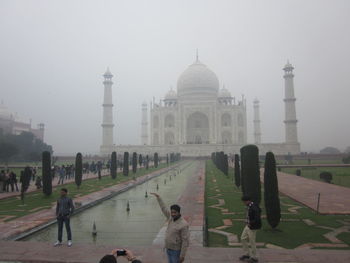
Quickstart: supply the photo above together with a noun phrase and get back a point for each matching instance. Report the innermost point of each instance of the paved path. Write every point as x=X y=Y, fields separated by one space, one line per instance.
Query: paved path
x=32 y=187
x=334 y=199
x=36 y=252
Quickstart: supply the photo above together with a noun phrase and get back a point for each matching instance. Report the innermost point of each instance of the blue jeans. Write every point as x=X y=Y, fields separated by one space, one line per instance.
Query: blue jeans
x=173 y=255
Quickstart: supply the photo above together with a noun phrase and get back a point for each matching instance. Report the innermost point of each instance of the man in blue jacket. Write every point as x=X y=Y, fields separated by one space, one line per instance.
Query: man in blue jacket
x=253 y=223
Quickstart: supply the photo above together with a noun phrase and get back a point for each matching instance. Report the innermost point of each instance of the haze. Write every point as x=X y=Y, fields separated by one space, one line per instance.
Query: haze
x=53 y=55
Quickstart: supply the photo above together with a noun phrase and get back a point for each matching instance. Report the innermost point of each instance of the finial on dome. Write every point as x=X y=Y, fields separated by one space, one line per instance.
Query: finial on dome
x=197 y=57
x=108 y=73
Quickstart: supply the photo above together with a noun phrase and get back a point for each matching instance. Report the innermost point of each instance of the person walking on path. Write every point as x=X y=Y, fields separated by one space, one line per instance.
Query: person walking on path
x=253 y=223
x=64 y=209
x=177 y=233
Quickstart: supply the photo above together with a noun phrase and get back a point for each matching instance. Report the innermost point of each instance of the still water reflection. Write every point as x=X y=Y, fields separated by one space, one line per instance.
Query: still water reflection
x=117 y=226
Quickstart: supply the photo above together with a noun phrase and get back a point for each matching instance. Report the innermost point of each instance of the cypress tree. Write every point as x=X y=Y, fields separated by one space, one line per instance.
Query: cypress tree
x=114 y=165
x=46 y=173
x=237 y=171
x=126 y=164
x=147 y=161
x=225 y=164
x=250 y=172
x=78 y=169
x=155 y=160
x=271 y=194
x=140 y=160
x=134 y=162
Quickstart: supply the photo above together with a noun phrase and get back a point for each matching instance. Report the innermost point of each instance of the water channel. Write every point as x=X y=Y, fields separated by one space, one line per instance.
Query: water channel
x=114 y=224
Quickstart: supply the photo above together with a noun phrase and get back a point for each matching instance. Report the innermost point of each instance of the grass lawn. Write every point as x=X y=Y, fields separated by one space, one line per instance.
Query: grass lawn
x=292 y=230
x=36 y=201
x=341 y=175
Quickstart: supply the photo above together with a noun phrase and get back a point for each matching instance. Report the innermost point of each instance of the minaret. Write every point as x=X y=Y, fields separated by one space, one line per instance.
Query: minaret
x=144 y=124
x=257 y=130
x=107 y=124
x=289 y=102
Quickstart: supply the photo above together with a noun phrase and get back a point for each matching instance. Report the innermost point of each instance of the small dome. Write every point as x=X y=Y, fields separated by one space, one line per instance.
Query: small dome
x=4 y=112
x=224 y=93
x=198 y=80
x=171 y=95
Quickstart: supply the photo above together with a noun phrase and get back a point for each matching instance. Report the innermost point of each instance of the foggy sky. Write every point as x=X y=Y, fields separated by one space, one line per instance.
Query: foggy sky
x=53 y=55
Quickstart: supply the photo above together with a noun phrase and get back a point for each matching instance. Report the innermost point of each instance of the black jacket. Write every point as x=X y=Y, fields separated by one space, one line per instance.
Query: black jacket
x=254 y=216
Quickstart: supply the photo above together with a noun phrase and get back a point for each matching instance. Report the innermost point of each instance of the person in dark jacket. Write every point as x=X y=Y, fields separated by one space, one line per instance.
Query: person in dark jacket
x=64 y=209
x=253 y=223
x=112 y=258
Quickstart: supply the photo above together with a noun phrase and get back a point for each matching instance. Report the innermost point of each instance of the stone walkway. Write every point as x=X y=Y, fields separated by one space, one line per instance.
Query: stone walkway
x=334 y=199
x=36 y=252
x=18 y=226
x=192 y=207
x=32 y=187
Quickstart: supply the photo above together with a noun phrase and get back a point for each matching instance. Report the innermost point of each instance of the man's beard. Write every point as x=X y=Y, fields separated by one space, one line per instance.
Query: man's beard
x=176 y=217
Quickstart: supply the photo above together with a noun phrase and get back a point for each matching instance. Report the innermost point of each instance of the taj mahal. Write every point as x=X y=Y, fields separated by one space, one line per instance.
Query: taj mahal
x=200 y=118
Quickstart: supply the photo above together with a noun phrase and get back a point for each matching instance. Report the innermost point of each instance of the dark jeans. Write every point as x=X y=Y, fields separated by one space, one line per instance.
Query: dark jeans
x=66 y=221
x=173 y=255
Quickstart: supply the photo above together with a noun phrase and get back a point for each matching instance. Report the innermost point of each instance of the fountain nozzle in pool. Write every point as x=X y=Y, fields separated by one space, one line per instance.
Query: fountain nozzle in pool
x=128 y=207
x=94 y=231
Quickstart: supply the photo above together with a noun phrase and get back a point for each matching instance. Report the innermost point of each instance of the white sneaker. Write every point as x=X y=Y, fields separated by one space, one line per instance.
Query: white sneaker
x=57 y=243
x=70 y=243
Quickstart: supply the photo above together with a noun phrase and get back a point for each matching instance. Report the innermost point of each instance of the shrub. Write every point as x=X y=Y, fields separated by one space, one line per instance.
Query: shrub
x=126 y=164
x=346 y=159
x=147 y=162
x=140 y=160
x=271 y=194
x=298 y=172
x=134 y=162
x=78 y=169
x=250 y=172
x=326 y=176
x=114 y=165
x=156 y=160
x=237 y=171
x=46 y=173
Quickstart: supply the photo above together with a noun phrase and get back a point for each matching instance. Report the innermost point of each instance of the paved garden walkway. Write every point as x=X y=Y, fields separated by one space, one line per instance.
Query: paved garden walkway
x=32 y=187
x=36 y=252
x=334 y=199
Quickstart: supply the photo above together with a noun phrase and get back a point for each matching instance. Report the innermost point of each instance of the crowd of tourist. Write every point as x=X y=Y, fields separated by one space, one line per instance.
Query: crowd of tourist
x=10 y=181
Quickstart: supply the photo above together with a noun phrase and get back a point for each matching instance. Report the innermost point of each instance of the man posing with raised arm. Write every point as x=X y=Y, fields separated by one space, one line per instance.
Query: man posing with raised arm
x=177 y=234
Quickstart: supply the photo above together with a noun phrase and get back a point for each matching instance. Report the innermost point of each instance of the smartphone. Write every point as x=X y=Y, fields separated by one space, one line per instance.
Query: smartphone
x=121 y=252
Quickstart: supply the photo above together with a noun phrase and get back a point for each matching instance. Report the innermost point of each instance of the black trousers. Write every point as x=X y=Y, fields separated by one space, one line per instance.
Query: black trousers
x=66 y=221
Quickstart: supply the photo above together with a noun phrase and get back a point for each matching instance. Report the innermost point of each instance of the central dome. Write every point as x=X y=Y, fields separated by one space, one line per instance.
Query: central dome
x=198 y=80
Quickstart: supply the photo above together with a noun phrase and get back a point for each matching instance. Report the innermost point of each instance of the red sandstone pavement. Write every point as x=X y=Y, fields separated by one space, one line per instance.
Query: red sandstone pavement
x=334 y=199
x=23 y=224
x=36 y=252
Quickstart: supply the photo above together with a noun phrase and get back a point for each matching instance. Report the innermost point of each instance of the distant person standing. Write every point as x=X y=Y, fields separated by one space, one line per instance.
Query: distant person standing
x=177 y=233
x=253 y=223
x=62 y=174
x=64 y=210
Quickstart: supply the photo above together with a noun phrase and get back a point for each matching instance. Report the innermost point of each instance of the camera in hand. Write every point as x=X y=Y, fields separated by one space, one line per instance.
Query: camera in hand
x=121 y=252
